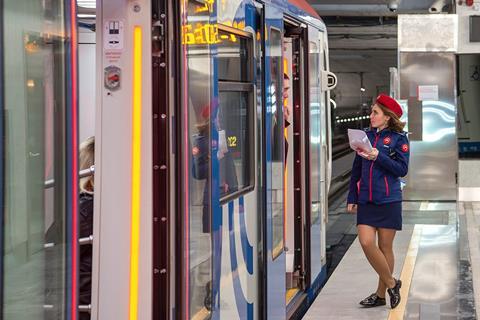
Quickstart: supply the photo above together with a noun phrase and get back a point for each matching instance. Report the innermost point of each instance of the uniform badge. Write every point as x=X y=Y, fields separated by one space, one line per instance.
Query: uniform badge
x=387 y=140
x=405 y=147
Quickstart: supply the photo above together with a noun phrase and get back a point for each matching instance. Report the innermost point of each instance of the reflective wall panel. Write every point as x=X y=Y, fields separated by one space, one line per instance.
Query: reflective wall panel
x=428 y=84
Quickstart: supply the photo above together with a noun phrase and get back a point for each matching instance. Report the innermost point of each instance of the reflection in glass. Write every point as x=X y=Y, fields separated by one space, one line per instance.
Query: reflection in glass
x=439 y=119
x=235 y=129
x=233 y=57
x=277 y=139
x=35 y=209
x=235 y=169
x=197 y=84
x=315 y=133
x=318 y=114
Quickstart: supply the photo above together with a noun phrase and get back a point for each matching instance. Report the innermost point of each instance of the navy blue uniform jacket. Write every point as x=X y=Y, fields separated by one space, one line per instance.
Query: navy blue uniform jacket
x=379 y=181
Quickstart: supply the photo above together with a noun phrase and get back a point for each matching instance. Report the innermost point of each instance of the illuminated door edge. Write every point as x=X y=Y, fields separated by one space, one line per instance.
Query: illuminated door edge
x=136 y=171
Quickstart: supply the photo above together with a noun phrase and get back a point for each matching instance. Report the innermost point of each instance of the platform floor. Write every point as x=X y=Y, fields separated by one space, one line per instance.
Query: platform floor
x=432 y=257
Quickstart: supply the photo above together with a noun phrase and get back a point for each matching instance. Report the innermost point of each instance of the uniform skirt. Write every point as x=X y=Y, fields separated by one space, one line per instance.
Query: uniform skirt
x=387 y=215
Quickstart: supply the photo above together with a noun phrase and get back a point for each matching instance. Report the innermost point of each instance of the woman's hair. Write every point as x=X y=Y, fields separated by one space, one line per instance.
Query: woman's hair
x=394 y=123
x=87 y=159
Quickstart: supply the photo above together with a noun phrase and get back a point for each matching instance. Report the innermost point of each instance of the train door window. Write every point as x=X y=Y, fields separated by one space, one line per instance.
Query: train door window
x=197 y=87
x=235 y=114
x=36 y=128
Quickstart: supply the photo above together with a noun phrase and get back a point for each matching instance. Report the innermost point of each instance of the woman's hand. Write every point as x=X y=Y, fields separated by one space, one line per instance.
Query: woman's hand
x=372 y=155
x=351 y=208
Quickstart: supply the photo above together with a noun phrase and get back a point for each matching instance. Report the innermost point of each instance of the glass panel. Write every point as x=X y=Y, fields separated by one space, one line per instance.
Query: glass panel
x=317 y=142
x=198 y=65
x=34 y=252
x=277 y=139
x=315 y=132
x=233 y=57
x=234 y=147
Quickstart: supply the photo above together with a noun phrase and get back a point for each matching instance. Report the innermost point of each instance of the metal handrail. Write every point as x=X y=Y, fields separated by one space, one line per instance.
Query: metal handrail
x=82 y=174
x=81 y=308
x=85 y=308
x=86 y=240
x=87 y=172
x=81 y=241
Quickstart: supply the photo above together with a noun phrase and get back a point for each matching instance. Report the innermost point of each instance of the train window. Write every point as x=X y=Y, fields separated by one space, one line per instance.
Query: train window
x=233 y=57
x=234 y=135
x=235 y=115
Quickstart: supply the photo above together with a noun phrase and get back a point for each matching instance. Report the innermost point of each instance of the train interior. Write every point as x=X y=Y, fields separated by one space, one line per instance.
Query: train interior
x=87 y=75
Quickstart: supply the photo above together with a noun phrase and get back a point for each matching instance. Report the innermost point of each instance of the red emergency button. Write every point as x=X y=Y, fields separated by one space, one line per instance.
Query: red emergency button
x=114 y=77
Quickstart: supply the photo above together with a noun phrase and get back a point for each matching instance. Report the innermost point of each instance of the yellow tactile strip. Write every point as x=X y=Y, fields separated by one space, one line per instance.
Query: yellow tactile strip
x=407 y=273
x=290 y=294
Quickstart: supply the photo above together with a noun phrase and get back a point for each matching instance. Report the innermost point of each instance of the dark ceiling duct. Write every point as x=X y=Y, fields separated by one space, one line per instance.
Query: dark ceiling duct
x=380 y=7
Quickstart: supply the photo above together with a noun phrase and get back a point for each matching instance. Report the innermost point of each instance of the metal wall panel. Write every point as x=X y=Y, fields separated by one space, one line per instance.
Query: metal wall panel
x=427 y=33
x=115 y=218
x=432 y=125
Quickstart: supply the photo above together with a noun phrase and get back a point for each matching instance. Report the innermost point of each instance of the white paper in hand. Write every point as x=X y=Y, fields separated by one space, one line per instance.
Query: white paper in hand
x=359 y=141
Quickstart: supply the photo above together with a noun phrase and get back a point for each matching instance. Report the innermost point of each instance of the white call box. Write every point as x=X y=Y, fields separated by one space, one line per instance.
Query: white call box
x=113 y=34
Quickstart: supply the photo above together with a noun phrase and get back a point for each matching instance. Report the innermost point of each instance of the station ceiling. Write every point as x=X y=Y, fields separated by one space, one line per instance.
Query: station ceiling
x=379 y=7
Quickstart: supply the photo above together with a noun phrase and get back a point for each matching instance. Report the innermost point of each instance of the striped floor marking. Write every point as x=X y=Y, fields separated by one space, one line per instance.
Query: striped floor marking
x=407 y=273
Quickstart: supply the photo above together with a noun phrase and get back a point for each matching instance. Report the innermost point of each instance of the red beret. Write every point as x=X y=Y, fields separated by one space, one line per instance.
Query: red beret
x=390 y=103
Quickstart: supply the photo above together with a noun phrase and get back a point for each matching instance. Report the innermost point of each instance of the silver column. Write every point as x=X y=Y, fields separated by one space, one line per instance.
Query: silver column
x=427 y=69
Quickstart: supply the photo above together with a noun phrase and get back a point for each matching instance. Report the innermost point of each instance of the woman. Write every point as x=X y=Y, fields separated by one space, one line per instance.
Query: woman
x=87 y=158
x=376 y=196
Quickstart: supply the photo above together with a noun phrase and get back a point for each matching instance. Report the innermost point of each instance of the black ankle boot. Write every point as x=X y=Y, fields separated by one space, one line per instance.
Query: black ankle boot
x=394 y=294
x=373 y=300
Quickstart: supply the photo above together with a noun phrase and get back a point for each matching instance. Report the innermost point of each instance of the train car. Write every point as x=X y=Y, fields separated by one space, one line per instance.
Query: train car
x=212 y=129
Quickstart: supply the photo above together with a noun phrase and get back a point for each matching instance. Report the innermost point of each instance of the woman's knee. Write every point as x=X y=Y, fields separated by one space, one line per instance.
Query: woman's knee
x=385 y=247
x=366 y=236
x=385 y=240
x=367 y=242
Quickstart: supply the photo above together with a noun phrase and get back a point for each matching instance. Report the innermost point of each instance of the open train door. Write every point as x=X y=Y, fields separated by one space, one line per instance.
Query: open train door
x=317 y=158
x=274 y=163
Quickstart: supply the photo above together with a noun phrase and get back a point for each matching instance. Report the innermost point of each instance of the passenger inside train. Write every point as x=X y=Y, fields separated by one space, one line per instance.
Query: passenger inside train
x=85 y=222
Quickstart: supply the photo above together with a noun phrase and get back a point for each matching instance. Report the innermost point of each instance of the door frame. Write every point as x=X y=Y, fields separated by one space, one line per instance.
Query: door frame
x=161 y=170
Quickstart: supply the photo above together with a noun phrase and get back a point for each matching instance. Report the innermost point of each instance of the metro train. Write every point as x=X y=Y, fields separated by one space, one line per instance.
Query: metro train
x=212 y=126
